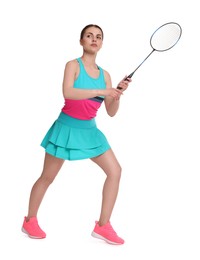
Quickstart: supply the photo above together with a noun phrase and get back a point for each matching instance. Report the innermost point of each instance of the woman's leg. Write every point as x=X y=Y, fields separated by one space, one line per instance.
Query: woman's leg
x=51 y=167
x=112 y=169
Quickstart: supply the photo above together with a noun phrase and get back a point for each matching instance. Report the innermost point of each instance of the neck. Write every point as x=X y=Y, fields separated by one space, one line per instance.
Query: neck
x=89 y=59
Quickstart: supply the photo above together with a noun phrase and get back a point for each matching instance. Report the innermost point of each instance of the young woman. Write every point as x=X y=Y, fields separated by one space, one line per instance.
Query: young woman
x=75 y=136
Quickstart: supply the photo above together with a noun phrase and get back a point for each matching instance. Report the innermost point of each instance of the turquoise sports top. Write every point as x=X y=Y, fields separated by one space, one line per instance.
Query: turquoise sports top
x=85 y=108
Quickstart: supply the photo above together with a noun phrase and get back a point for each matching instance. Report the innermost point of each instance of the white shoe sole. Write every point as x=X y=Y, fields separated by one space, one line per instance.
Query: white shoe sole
x=105 y=239
x=23 y=230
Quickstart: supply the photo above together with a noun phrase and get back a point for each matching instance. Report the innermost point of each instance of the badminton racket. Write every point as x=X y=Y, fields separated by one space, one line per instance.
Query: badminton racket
x=163 y=39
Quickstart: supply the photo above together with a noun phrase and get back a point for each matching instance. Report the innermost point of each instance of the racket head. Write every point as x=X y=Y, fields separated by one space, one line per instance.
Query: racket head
x=166 y=36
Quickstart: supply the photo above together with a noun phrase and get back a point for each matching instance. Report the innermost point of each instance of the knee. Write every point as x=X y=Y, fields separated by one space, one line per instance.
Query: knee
x=116 y=173
x=47 y=179
x=119 y=171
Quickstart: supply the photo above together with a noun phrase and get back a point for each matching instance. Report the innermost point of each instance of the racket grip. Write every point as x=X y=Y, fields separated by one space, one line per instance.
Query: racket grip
x=129 y=76
x=120 y=87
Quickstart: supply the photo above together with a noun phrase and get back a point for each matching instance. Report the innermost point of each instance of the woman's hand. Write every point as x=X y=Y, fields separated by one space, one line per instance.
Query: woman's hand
x=123 y=84
x=113 y=92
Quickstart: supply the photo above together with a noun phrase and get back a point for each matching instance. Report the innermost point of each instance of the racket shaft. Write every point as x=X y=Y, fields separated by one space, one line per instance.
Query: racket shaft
x=130 y=75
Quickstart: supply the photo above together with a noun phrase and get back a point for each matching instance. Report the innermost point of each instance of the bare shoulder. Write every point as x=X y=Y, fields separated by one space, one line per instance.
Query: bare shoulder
x=72 y=64
x=72 y=68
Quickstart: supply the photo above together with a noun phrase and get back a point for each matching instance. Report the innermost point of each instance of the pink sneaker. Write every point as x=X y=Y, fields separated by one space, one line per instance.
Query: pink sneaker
x=32 y=229
x=107 y=234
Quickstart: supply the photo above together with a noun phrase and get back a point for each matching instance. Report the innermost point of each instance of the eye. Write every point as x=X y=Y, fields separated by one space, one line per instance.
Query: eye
x=99 y=37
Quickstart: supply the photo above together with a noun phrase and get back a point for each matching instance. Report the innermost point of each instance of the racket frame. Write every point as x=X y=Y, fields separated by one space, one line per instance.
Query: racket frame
x=154 y=49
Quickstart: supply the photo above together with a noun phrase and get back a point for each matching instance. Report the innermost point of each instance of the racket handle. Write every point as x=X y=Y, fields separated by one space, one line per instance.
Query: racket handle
x=129 y=76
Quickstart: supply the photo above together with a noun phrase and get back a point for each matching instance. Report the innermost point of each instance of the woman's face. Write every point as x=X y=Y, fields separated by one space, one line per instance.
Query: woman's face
x=92 y=40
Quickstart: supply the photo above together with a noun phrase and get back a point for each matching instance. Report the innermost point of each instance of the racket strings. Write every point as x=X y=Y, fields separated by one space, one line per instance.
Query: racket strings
x=166 y=37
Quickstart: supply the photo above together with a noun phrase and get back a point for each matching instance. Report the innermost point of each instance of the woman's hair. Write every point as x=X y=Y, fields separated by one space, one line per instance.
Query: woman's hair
x=88 y=26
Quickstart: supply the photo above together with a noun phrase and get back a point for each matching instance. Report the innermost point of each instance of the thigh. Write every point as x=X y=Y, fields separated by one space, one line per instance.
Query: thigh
x=108 y=162
x=51 y=166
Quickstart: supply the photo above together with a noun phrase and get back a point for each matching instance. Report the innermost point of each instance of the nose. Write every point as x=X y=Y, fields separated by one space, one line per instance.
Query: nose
x=94 y=39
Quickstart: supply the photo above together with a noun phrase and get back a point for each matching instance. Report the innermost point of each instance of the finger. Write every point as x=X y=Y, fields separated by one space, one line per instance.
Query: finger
x=125 y=77
x=119 y=90
x=128 y=79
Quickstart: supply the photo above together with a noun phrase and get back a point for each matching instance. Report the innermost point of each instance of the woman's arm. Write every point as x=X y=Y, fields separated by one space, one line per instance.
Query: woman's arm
x=112 y=102
x=70 y=74
x=69 y=92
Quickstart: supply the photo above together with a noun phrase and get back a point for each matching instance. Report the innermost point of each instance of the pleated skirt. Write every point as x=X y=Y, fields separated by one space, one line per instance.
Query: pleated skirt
x=74 y=139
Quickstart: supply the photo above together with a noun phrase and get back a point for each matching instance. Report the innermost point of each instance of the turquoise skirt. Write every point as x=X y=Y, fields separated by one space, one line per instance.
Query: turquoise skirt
x=74 y=139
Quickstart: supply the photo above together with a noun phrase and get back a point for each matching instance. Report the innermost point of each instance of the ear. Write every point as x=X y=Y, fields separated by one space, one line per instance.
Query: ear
x=81 y=42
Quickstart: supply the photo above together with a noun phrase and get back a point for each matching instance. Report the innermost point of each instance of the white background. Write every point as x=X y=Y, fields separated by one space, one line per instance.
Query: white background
x=155 y=135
